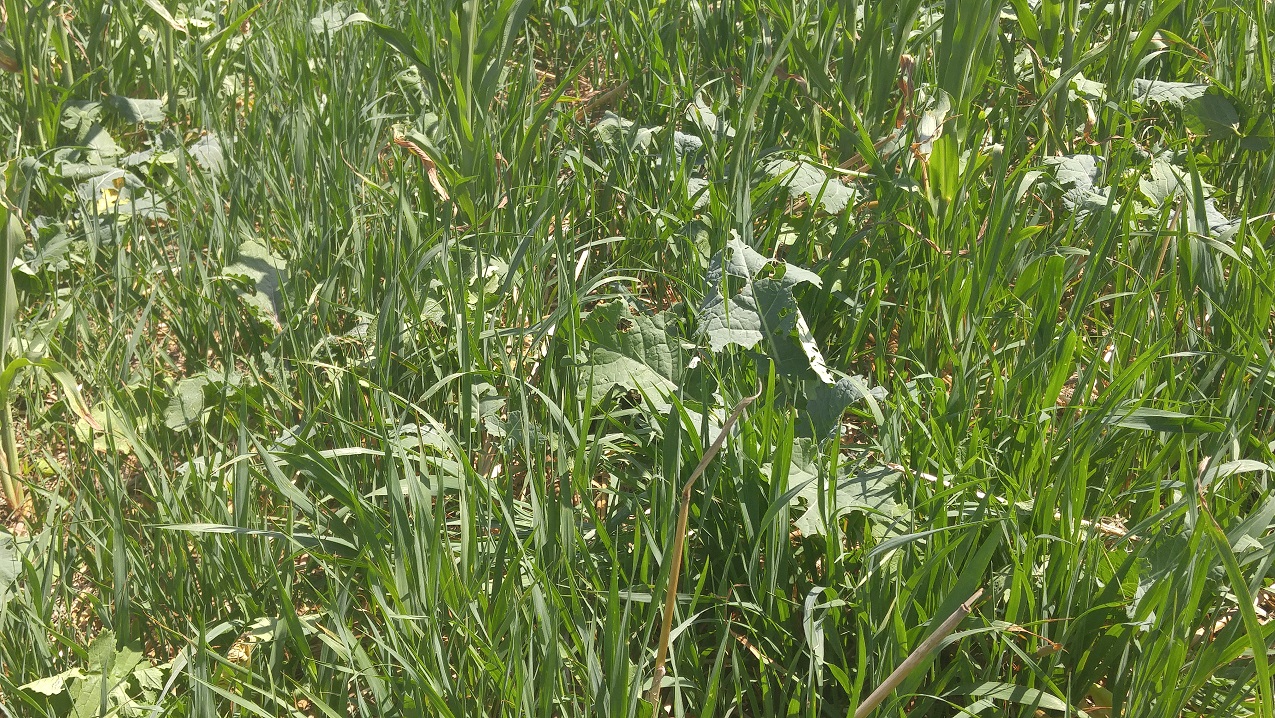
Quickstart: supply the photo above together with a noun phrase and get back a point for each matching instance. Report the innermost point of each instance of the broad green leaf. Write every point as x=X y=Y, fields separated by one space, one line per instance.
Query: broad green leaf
x=78 y=117
x=101 y=650
x=633 y=350
x=53 y=685
x=100 y=147
x=1163 y=183
x=267 y=628
x=1082 y=87
x=1214 y=116
x=106 y=192
x=187 y=403
x=1078 y=176
x=751 y=301
x=109 y=664
x=737 y=259
x=267 y=271
x=765 y=309
x=150 y=679
x=825 y=403
x=1259 y=133
x=1176 y=94
x=1166 y=183
x=701 y=114
x=685 y=145
x=209 y=154
x=262 y=307
x=937 y=103
x=621 y=134
x=125 y=661
x=697 y=192
x=802 y=178
x=137 y=110
x=871 y=491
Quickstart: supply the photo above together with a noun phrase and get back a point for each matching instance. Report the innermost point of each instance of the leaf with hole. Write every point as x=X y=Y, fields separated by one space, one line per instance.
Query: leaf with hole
x=632 y=350
x=751 y=302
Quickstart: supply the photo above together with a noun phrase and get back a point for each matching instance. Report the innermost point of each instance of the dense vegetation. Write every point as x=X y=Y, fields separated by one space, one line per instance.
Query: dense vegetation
x=355 y=356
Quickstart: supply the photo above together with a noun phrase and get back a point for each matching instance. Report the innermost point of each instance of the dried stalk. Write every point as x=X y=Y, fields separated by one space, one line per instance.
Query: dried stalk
x=679 y=542
x=917 y=657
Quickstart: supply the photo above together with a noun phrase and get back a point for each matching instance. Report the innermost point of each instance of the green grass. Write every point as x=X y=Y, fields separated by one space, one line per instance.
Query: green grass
x=407 y=331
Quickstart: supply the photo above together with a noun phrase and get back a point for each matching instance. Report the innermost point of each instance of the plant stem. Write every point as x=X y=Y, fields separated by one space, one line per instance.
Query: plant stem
x=679 y=542
x=917 y=657
x=13 y=491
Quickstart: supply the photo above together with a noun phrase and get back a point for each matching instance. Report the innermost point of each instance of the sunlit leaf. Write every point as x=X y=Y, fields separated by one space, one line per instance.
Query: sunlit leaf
x=1078 y=175
x=187 y=402
x=137 y=110
x=802 y=178
x=336 y=18
x=871 y=491
x=209 y=154
x=1213 y=115
x=633 y=350
x=1176 y=94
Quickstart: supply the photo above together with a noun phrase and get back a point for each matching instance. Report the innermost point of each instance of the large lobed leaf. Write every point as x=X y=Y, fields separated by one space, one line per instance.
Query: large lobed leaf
x=1078 y=175
x=633 y=350
x=266 y=271
x=763 y=308
x=805 y=179
x=871 y=492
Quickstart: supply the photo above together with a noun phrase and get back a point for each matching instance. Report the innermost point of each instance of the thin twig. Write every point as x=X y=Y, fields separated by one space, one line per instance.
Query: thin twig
x=679 y=541
x=917 y=657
